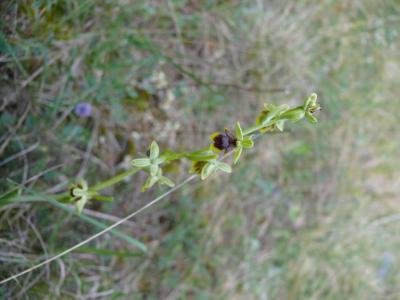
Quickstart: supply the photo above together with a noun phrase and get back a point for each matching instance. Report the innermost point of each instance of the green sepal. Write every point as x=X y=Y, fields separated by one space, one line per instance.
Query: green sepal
x=167 y=181
x=239 y=132
x=311 y=118
x=151 y=180
x=141 y=162
x=154 y=169
x=310 y=101
x=154 y=150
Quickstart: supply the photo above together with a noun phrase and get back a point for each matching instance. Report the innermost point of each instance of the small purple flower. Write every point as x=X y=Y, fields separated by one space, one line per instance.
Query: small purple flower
x=83 y=109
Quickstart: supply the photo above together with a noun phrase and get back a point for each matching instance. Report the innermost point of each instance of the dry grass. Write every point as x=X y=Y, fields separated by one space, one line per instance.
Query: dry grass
x=309 y=214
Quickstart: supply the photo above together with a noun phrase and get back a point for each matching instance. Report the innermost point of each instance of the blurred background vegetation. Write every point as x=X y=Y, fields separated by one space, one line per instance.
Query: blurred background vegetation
x=312 y=213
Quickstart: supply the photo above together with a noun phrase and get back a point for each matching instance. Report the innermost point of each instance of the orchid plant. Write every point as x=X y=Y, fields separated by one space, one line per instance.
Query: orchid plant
x=205 y=161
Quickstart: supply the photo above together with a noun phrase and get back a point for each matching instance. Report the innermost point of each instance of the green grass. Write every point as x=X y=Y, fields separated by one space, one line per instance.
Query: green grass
x=308 y=214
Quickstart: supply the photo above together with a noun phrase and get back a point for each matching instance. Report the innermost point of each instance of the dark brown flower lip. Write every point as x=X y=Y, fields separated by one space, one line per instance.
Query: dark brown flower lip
x=225 y=141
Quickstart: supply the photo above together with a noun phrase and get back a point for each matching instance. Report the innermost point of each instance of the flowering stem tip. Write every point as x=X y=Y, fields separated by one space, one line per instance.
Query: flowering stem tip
x=205 y=161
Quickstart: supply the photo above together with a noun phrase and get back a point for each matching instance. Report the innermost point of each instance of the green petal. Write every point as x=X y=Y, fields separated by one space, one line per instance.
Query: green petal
x=141 y=162
x=154 y=150
x=237 y=154
x=248 y=142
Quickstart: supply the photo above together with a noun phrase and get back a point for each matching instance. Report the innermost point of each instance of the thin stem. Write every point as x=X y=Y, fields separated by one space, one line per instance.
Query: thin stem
x=198 y=151
x=256 y=128
x=104 y=184
x=252 y=129
x=105 y=230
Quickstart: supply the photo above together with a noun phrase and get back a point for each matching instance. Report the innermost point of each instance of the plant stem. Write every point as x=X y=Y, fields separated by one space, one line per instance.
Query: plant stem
x=255 y=128
x=104 y=184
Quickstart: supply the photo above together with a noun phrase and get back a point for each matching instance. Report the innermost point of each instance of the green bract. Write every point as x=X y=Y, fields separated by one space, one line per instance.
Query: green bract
x=269 y=118
x=213 y=165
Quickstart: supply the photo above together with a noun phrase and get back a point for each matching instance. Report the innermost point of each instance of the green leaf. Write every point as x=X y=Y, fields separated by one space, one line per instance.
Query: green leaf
x=103 y=198
x=141 y=162
x=154 y=150
x=237 y=154
x=239 y=132
x=223 y=166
